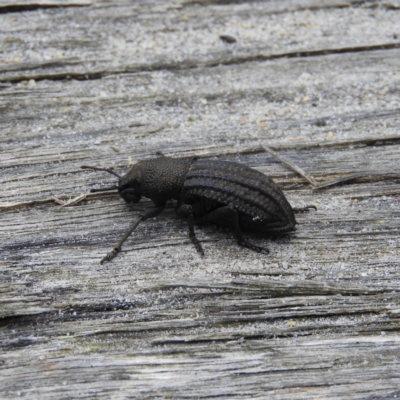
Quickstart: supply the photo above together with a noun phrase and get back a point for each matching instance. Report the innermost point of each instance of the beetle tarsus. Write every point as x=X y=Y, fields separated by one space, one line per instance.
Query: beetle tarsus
x=251 y=246
x=110 y=255
x=303 y=209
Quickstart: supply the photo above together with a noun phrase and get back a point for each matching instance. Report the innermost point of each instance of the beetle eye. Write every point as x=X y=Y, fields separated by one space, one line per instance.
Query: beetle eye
x=129 y=195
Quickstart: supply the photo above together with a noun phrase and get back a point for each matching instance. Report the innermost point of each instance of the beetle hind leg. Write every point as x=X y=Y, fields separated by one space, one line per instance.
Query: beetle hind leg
x=303 y=209
x=239 y=235
x=228 y=216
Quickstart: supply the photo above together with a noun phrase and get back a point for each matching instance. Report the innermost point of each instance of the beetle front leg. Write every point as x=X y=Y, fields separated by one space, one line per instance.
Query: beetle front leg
x=187 y=211
x=150 y=213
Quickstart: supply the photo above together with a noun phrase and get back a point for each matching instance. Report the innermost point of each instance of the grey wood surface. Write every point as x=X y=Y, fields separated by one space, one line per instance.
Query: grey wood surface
x=110 y=83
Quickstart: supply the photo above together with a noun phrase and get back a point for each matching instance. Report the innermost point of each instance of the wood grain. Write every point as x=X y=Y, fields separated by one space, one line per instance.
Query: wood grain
x=110 y=83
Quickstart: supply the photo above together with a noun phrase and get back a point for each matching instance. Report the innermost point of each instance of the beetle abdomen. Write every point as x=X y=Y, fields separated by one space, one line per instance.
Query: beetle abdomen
x=260 y=203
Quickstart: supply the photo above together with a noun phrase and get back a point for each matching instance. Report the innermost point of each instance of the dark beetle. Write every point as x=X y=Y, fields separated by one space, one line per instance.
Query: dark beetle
x=220 y=192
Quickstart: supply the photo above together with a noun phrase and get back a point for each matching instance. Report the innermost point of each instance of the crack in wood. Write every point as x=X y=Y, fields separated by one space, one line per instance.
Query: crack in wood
x=187 y=65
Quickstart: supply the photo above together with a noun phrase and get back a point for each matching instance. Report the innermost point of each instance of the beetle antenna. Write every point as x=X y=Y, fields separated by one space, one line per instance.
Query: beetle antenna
x=104 y=189
x=109 y=170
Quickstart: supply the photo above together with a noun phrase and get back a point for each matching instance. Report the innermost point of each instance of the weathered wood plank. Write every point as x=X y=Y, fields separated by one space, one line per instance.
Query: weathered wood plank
x=239 y=369
x=48 y=147
x=315 y=80
x=128 y=37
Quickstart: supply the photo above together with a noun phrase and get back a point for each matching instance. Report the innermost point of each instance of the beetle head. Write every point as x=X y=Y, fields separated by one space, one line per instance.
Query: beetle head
x=129 y=185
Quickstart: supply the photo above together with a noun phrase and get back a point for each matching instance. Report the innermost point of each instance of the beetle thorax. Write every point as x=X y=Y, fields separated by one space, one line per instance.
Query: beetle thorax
x=161 y=179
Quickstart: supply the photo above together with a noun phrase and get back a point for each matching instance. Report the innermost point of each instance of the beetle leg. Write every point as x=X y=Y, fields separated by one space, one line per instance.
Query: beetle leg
x=239 y=235
x=187 y=211
x=303 y=209
x=150 y=213
x=228 y=216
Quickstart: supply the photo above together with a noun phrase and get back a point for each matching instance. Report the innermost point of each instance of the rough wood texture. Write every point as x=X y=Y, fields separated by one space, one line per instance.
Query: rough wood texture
x=109 y=83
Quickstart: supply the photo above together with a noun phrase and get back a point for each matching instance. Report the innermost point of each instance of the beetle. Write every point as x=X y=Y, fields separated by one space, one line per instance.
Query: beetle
x=206 y=191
